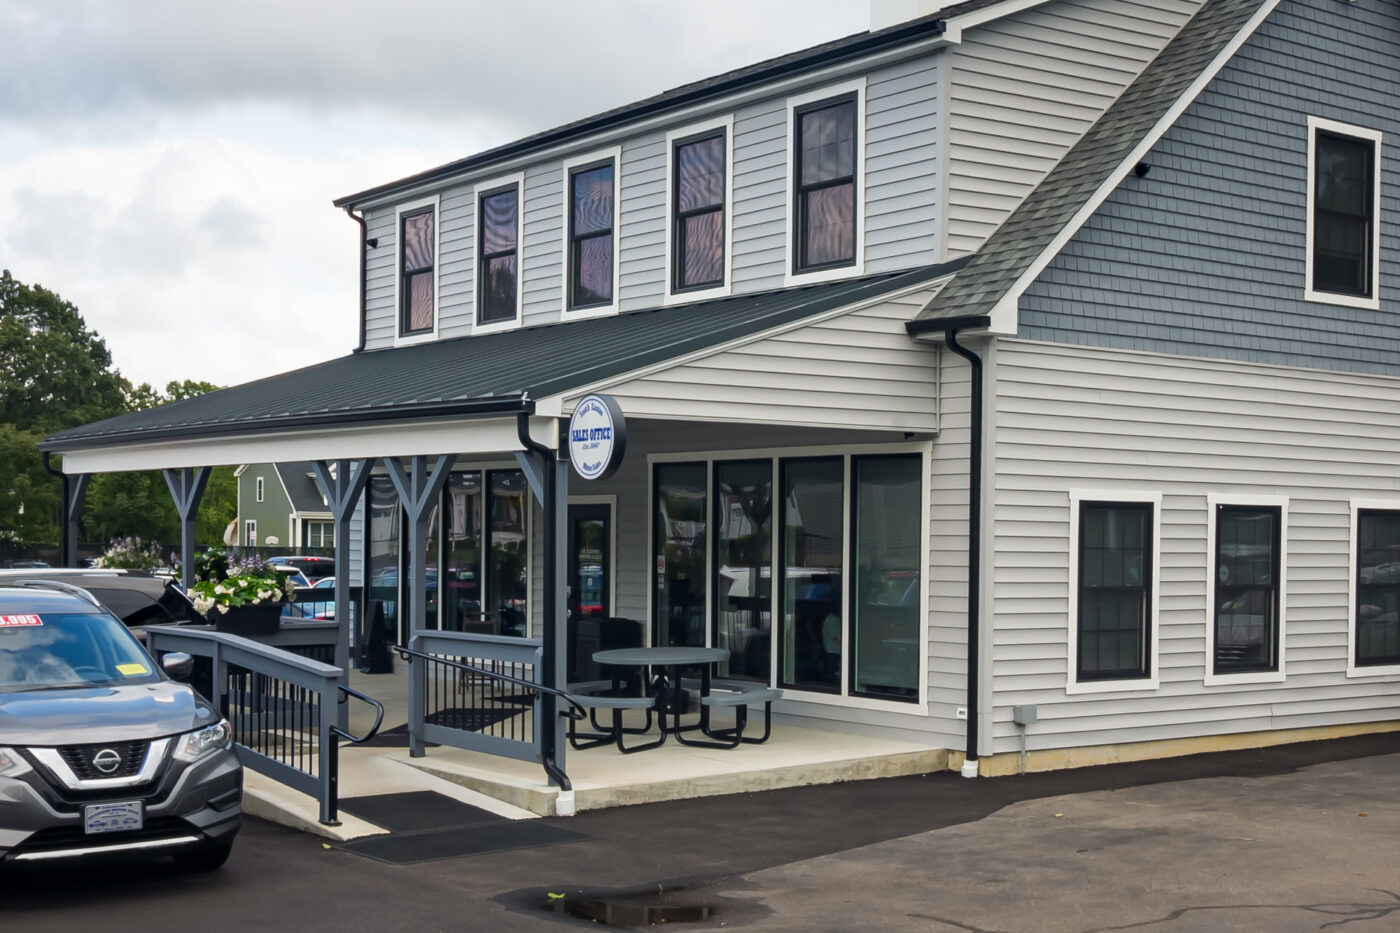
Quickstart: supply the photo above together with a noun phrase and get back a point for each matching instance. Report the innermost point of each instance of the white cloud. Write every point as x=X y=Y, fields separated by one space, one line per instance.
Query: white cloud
x=169 y=166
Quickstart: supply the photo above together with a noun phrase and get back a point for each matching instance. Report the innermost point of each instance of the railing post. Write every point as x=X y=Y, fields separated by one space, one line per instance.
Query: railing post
x=417 y=699
x=330 y=753
x=219 y=681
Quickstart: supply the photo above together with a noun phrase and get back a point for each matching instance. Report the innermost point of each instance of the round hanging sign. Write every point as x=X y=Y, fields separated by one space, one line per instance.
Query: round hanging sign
x=597 y=437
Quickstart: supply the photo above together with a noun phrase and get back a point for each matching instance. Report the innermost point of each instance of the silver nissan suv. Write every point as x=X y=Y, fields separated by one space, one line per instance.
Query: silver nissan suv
x=101 y=751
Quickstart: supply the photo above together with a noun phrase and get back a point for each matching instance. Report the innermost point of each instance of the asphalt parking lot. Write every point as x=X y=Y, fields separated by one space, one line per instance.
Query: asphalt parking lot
x=1303 y=837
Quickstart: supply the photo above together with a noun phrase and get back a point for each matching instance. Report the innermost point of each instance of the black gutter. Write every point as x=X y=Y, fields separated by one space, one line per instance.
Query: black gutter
x=498 y=405
x=549 y=654
x=950 y=327
x=63 y=529
x=364 y=262
x=870 y=43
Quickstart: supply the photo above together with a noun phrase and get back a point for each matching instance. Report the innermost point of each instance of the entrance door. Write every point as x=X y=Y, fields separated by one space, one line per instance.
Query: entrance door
x=589 y=586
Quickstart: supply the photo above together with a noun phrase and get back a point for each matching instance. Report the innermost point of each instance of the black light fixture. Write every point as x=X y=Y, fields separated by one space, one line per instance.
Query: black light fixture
x=1141 y=169
x=372 y=242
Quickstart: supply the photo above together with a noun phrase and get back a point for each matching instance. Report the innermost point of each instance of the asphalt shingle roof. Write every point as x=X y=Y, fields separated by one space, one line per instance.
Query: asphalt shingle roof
x=1012 y=249
x=467 y=374
x=299 y=481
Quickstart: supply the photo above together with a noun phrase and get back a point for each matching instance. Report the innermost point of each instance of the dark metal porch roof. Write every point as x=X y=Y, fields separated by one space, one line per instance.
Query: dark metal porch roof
x=490 y=374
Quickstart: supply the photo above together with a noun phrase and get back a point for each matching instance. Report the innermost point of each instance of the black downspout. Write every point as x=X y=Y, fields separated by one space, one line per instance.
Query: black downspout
x=549 y=703
x=974 y=548
x=364 y=251
x=64 y=554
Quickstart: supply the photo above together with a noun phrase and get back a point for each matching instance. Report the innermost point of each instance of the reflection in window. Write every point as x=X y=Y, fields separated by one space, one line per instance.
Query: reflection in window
x=885 y=549
x=1344 y=195
x=591 y=236
x=743 y=559
x=1115 y=590
x=459 y=581
x=382 y=553
x=498 y=266
x=699 y=213
x=507 y=586
x=812 y=568
x=826 y=192
x=416 y=273
x=679 y=534
x=1246 y=588
x=1377 y=587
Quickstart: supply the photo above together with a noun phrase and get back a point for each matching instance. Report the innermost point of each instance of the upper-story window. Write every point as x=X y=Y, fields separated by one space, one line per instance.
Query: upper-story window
x=498 y=235
x=698 y=212
x=260 y=488
x=1343 y=208
x=417 y=282
x=826 y=168
x=592 y=232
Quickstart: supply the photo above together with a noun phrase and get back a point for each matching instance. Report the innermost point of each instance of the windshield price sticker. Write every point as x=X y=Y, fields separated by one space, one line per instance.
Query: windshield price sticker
x=15 y=621
x=131 y=670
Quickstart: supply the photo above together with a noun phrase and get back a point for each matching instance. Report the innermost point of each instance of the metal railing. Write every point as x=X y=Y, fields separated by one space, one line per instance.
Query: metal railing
x=481 y=693
x=282 y=707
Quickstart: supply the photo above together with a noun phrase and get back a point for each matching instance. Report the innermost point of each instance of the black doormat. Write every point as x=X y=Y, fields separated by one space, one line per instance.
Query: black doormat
x=470 y=718
x=416 y=811
x=407 y=848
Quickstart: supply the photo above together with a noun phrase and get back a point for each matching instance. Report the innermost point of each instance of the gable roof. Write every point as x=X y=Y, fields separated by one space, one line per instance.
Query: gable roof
x=298 y=479
x=1100 y=158
x=808 y=59
x=498 y=373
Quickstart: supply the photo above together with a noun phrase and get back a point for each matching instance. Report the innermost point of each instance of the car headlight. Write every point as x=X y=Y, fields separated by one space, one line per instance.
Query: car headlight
x=195 y=745
x=11 y=763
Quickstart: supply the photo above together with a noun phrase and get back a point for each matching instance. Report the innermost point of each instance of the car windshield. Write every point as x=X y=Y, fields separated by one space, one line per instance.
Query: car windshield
x=56 y=650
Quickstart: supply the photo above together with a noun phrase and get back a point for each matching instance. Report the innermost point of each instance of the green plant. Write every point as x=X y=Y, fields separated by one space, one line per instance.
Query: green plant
x=129 y=554
x=223 y=581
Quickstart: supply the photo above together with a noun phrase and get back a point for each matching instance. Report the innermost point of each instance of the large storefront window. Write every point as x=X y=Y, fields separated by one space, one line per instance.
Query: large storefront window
x=506 y=579
x=743 y=623
x=679 y=554
x=812 y=571
x=382 y=557
x=459 y=580
x=886 y=519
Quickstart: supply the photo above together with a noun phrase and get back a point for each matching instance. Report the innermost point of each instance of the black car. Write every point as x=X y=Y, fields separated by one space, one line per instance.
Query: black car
x=134 y=596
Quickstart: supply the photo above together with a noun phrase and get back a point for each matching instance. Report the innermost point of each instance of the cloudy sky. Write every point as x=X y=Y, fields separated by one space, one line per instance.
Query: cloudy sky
x=169 y=165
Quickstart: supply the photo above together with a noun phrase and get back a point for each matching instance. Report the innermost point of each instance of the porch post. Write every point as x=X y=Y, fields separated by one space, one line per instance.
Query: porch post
x=74 y=492
x=187 y=488
x=418 y=490
x=342 y=488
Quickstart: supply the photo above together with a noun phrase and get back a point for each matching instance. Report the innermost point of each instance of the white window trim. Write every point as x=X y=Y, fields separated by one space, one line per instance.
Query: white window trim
x=600 y=155
x=409 y=207
x=793 y=103
x=1128 y=685
x=1316 y=125
x=724 y=289
x=250 y=532
x=921 y=707
x=480 y=190
x=259 y=484
x=1254 y=677
x=1367 y=670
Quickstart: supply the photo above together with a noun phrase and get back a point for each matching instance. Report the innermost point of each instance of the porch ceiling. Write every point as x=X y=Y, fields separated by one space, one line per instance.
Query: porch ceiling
x=403 y=400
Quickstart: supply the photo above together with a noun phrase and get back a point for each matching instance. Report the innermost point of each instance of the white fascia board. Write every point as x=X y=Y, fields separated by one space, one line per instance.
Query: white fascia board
x=1005 y=312
x=457 y=436
x=560 y=406
x=957 y=25
x=286 y=493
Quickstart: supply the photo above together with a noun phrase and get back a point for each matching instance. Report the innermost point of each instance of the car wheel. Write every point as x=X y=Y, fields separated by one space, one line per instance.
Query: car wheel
x=205 y=858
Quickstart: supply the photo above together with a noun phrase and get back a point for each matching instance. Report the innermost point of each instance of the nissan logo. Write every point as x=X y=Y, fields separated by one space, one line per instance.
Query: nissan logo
x=106 y=761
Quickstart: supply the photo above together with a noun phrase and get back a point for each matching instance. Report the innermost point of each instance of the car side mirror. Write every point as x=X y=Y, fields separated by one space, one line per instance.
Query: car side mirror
x=177 y=664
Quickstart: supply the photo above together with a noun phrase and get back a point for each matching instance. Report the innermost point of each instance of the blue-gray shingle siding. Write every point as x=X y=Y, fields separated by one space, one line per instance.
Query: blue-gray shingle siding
x=1205 y=256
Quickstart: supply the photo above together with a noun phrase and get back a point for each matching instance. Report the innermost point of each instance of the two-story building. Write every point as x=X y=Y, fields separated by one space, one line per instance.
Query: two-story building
x=280 y=505
x=1019 y=369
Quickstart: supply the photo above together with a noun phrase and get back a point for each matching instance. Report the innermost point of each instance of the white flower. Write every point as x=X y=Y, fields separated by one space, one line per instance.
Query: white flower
x=222 y=608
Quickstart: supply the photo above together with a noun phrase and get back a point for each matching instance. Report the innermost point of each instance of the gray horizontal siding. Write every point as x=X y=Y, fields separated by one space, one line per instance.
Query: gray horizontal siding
x=1205 y=256
x=381 y=320
x=1026 y=87
x=1077 y=418
x=542 y=266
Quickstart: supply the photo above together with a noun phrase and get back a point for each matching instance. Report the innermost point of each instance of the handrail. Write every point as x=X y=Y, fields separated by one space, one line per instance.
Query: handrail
x=378 y=716
x=576 y=712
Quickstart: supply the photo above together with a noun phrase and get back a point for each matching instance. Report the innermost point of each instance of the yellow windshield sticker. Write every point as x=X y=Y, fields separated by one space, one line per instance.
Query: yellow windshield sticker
x=132 y=670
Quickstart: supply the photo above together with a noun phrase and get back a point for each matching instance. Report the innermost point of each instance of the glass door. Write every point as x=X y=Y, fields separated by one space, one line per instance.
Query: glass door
x=589 y=588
